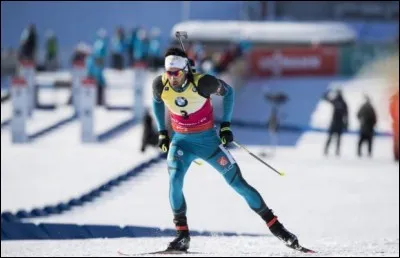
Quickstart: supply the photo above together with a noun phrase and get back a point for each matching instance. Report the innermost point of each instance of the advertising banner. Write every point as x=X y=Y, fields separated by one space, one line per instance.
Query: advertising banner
x=293 y=61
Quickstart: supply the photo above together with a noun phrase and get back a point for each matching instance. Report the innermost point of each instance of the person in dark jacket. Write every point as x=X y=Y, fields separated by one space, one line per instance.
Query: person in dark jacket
x=367 y=117
x=339 y=122
x=28 y=43
x=118 y=48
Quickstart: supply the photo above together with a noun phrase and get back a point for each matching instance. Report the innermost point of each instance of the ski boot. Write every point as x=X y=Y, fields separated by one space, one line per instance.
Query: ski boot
x=181 y=241
x=278 y=230
x=283 y=234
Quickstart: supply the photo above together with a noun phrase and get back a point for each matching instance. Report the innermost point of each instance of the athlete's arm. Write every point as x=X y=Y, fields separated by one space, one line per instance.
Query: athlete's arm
x=209 y=84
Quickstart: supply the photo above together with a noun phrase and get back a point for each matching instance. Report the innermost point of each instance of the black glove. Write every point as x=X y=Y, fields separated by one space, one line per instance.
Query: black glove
x=163 y=140
x=225 y=133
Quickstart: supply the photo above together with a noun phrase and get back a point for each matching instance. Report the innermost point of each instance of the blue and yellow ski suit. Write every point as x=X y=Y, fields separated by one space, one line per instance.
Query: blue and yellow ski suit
x=191 y=113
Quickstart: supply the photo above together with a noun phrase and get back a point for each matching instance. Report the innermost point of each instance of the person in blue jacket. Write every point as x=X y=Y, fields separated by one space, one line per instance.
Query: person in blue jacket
x=95 y=64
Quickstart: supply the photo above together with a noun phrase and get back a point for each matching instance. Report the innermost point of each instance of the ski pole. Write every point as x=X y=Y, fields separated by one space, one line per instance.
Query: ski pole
x=179 y=35
x=182 y=34
x=259 y=159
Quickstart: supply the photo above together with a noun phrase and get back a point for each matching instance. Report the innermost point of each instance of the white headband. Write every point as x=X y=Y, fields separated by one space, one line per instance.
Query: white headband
x=176 y=62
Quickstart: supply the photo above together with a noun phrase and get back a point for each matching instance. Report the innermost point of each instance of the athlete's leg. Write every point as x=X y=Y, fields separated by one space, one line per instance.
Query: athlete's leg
x=226 y=165
x=220 y=158
x=179 y=159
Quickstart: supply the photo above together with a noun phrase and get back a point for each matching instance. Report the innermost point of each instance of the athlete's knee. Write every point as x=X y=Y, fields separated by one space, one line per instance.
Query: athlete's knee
x=175 y=176
x=235 y=179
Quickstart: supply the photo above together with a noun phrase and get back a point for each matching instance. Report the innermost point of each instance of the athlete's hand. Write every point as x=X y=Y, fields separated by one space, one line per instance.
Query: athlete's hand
x=163 y=140
x=225 y=133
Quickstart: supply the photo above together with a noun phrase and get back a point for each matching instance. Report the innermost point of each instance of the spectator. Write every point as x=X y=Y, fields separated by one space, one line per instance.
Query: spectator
x=339 y=122
x=141 y=46
x=95 y=64
x=95 y=70
x=51 y=63
x=100 y=45
x=130 y=45
x=367 y=117
x=155 y=58
x=28 y=44
x=118 y=49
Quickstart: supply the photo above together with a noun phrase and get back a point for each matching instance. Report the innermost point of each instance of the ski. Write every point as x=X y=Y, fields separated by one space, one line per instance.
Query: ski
x=302 y=249
x=166 y=252
x=176 y=252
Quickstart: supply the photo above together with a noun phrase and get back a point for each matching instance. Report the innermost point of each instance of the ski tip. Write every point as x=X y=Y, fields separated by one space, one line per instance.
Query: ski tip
x=302 y=249
x=306 y=250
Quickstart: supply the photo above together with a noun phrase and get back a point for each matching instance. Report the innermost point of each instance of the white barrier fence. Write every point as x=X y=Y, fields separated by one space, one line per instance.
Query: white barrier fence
x=83 y=93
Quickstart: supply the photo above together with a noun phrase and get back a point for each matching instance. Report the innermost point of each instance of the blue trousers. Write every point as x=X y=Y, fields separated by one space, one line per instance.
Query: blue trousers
x=185 y=148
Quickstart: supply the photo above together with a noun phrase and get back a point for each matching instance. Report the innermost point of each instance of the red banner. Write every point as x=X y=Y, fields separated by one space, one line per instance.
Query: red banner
x=293 y=61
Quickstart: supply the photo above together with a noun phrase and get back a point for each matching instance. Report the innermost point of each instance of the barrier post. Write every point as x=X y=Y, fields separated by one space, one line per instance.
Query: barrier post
x=78 y=73
x=87 y=103
x=140 y=74
x=20 y=105
x=27 y=71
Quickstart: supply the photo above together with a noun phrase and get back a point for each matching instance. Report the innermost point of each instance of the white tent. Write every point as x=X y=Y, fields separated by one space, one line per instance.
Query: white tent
x=267 y=32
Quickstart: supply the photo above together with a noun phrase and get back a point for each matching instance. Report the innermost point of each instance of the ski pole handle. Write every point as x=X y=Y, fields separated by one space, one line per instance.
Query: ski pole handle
x=259 y=159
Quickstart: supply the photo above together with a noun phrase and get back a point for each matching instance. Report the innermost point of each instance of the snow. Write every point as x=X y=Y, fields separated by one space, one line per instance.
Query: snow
x=339 y=206
x=207 y=246
x=51 y=160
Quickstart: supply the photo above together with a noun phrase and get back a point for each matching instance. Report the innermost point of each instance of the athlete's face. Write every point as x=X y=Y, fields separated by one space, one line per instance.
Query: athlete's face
x=176 y=76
